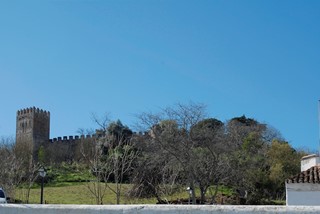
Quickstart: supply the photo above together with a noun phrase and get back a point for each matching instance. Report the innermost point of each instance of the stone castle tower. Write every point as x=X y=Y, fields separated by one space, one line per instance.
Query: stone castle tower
x=32 y=133
x=32 y=128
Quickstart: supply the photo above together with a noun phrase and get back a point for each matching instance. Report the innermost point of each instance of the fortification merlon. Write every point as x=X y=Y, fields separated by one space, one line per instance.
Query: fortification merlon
x=88 y=136
x=68 y=139
x=33 y=110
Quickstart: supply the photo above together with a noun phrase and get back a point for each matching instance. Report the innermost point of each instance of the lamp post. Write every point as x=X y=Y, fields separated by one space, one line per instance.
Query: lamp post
x=42 y=173
x=190 y=193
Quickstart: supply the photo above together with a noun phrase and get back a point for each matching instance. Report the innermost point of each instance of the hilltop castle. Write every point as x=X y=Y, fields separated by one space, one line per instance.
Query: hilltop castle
x=32 y=130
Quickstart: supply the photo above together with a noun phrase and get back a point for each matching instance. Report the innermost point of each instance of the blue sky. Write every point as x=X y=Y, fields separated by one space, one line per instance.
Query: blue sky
x=123 y=57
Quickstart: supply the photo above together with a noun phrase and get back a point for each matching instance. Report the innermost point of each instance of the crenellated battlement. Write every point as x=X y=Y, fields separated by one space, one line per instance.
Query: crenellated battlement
x=33 y=129
x=70 y=139
x=32 y=110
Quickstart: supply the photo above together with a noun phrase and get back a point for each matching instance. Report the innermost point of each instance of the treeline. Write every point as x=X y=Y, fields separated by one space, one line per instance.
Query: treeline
x=184 y=147
x=176 y=148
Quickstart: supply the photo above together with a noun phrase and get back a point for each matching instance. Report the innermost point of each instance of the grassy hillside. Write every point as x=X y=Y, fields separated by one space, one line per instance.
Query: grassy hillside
x=66 y=184
x=76 y=193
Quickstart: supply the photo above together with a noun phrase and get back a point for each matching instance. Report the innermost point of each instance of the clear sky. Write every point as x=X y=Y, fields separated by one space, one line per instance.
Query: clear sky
x=123 y=57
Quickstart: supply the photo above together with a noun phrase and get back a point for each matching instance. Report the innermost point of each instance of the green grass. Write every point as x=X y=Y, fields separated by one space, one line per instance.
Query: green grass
x=66 y=184
x=68 y=173
x=78 y=193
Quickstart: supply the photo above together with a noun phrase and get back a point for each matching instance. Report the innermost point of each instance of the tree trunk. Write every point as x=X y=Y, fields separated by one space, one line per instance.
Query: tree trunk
x=213 y=198
x=118 y=193
x=202 y=195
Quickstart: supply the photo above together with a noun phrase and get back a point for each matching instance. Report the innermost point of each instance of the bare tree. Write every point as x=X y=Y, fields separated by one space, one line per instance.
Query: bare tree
x=110 y=157
x=92 y=152
x=173 y=134
x=118 y=162
x=12 y=170
x=156 y=172
x=28 y=167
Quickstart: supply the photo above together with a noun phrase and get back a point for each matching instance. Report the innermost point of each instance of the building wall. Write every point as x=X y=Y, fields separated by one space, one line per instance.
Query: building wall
x=307 y=194
x=309 y=161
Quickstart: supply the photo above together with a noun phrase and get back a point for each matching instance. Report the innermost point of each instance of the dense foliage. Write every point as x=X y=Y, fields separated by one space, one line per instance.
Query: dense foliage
x=176 y=148
x=183 y=147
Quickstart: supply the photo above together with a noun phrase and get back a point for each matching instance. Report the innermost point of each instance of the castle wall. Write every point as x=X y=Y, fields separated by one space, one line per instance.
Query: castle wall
x=33 y=132
x=69 y=148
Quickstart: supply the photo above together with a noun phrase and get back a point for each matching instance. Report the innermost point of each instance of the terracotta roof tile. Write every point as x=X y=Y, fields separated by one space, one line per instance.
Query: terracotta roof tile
x=311 y=175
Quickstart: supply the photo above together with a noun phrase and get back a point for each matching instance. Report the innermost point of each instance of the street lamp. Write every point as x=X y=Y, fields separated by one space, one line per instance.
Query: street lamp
x=190 y=193
x=42 y=173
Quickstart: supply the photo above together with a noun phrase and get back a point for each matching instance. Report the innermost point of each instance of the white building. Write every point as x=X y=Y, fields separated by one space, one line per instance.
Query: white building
x=304 y=188
x=309 y=161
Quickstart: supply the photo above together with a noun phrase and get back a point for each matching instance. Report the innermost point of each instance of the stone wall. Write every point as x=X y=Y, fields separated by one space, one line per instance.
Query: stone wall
x=32 y=128
x=151 y=209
